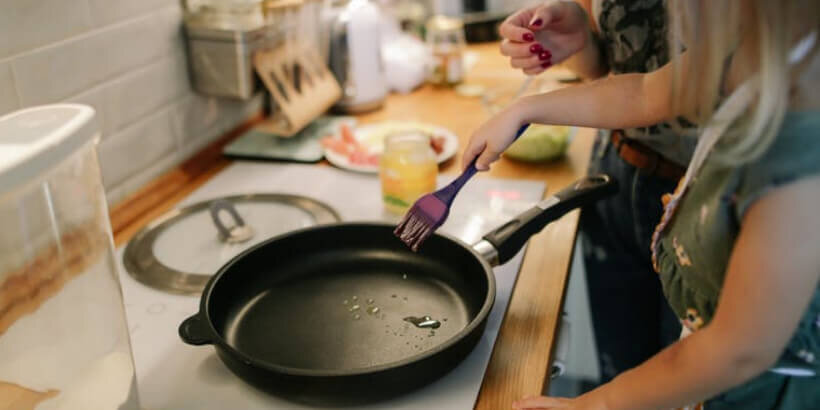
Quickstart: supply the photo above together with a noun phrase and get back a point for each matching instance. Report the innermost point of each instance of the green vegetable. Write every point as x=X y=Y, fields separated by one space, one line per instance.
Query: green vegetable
x=540 y=143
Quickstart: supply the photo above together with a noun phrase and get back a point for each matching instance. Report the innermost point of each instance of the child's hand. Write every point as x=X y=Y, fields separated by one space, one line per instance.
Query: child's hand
x=492 y=138
x=536 y=38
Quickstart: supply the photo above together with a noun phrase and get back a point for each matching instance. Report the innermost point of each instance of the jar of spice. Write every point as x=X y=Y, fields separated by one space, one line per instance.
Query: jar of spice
x=445 y=36
x=408 y=170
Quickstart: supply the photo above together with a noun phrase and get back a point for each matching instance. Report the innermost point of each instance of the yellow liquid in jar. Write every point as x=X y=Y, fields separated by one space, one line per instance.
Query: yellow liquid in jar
x=408 y=171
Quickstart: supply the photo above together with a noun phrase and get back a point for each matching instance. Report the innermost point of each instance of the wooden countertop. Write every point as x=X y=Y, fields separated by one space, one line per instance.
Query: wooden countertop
x=519 y=365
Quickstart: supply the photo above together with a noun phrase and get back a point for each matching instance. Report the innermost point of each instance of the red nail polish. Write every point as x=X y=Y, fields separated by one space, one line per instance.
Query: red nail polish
x=538 y=22
x=548 y=53
x=547 y=64
x=528 y=37
x=536 y=48
x=544 y=55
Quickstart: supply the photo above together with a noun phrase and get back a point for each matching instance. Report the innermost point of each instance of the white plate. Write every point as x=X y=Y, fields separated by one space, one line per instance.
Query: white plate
x=371 y=137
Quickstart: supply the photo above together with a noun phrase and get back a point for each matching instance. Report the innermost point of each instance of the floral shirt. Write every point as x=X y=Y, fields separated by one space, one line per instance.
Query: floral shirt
x=694 y=249
x=634 y=39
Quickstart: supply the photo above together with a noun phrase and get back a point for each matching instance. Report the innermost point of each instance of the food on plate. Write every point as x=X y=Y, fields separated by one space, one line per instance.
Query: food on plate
x=337 y=145
x=365 y=148
x=347 y=135
x=540 y=143
x=361 y=157
x=437 y=143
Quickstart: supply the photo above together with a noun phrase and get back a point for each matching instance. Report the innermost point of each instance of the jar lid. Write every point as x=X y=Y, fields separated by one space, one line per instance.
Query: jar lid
x=35 y=140
x=182 y=249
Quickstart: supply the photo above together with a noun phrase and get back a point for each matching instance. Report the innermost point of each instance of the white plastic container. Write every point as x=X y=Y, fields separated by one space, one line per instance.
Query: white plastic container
x=63 y=336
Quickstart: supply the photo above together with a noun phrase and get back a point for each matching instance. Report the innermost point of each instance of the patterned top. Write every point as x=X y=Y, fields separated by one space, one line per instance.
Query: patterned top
x=634 y=39
x=695 y=247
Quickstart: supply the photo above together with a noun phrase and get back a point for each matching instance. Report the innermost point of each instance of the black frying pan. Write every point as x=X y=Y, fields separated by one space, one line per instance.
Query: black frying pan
x=325 y=314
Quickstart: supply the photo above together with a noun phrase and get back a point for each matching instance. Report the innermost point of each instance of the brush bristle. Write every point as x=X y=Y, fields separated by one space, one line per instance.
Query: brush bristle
x=419 y=223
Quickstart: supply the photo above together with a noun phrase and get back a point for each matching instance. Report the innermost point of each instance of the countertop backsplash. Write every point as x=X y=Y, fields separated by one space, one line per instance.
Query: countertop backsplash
x=126 y=59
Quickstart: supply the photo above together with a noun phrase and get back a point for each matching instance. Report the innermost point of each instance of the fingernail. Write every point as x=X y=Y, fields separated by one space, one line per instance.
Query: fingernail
x=538 y=22
x=544 y=55
x=548 y=53
x=547 y=64
x=528 y=37
x=536 y=48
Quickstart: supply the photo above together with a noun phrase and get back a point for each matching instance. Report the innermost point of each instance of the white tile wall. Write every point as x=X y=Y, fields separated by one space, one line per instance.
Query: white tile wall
x=95 y=97
x=27 y=24
x=126 y=58
x=70 y=67
x=105 y=12
x=144 y=91
x=196 y=119
x=136 y=147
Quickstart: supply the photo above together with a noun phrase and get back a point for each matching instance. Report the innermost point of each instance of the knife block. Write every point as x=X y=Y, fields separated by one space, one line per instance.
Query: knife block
x=300 y=84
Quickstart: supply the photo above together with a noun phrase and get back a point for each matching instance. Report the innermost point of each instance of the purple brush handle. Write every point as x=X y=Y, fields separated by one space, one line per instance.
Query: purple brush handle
x=448 y=193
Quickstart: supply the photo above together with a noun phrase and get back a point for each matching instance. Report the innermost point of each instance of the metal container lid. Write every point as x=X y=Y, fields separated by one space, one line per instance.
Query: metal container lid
x=181 y=250
x=197 y=31
x=441 y=23
x=34 y=140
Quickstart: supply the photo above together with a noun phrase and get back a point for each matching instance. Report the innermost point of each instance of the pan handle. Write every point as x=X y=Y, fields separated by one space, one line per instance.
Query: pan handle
x=509 y=238
x=194 y=331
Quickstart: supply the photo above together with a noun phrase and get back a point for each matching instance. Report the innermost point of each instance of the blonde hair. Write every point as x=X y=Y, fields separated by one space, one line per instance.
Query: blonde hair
x=711 y=32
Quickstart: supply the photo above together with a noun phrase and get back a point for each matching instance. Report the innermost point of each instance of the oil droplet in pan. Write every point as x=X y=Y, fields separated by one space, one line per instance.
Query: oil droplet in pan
x=424 y=322
x=370 y=301
x=354 y=308
x=373 y=310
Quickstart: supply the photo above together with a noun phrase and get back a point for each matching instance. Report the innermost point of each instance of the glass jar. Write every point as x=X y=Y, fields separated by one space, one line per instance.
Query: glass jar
x=445 y=36
x=408 y=170
x=64 y=340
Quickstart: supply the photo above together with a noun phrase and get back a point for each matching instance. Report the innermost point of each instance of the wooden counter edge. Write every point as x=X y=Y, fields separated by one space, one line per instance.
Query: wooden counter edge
x=519 y=342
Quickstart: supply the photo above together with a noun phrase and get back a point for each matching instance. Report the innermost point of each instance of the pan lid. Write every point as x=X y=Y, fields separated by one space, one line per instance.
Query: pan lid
x=181 y=250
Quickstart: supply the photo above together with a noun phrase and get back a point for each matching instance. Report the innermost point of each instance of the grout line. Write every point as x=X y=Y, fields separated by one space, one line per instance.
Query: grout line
x=94 y=31
x=88 y=14
x=136 y=181
x=177 y=134
x=165 y=108
x=15 y=86
x=112 y=82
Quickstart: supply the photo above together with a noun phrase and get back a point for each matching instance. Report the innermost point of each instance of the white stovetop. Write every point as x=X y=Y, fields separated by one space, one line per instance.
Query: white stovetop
x=176 y=376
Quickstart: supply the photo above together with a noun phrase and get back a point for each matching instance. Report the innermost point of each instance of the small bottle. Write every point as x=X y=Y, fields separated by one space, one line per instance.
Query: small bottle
x=445 y=36
x=408 y=170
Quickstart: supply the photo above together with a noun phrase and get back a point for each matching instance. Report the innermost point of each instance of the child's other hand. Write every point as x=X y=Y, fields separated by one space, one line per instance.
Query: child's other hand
x=492 y=138
x=535 y=38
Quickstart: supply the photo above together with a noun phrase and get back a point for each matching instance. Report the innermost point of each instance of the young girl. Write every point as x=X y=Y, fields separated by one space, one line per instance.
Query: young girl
x=738 y=247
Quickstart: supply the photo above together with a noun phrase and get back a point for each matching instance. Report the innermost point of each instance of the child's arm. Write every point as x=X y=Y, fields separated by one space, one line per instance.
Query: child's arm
x=772 y=275
x=620 y=101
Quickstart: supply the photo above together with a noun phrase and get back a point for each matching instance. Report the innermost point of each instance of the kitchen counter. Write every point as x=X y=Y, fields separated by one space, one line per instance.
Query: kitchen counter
x=519 y=365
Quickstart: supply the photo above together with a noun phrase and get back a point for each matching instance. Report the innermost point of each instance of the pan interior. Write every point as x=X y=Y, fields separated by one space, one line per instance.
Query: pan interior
x=315 y=303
